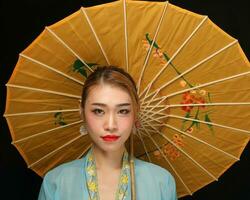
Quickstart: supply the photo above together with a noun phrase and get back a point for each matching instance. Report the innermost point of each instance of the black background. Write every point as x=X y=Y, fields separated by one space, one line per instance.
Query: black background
x=22 y=21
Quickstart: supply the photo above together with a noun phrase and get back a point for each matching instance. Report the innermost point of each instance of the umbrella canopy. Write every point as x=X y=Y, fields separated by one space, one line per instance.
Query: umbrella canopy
x=191 y=77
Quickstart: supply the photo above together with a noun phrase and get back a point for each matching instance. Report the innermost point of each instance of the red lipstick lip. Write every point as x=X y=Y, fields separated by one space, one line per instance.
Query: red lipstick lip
x=110 y=137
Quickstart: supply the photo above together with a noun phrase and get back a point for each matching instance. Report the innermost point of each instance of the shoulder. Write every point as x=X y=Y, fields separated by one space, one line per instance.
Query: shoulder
x=63 y=181
x=154 y=171
x=157 y=181
x=65 y=170
x=150 y=167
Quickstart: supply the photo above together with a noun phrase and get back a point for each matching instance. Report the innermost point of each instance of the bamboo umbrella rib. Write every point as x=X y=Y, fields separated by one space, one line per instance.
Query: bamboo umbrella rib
x=41 y=112
x=210 y=123
x=153 y=117
x=201 y=141
x=210 y=83
x=169 y=163
x=201 y=86
x=153 y=112
x=84 y=151
x=196 y=104
x=141 y=131
x=211 y=104
x=152 y=151
x=160 y=112
x=144 y=115
x=145 y=109
x=67 y=46
x=47 y=131
x=151 y=46
x=56 y=150
x=148 y=130
x=94 y=32
x=155 y=125
x=187 y=155
x=170 y=60
x=125 y=32
x=149 y=127
x=42 y=90
x=142 y=100
x=157 y=119
x=51 y=68
x=190 y=69
x=149 y=106
x=143 y=120
x=197 y=139
x=144 y=145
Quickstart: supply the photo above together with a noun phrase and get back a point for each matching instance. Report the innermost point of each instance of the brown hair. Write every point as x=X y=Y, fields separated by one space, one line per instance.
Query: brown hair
x=114 y=76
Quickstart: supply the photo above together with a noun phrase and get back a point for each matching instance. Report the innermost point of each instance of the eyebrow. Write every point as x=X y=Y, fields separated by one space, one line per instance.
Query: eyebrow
x=104 y=105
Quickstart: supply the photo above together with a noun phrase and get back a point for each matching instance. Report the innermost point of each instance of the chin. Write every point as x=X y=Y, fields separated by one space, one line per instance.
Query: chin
x=110 y=147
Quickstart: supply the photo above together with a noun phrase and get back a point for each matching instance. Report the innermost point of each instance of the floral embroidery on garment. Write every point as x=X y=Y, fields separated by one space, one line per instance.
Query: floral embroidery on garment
x=92 y=183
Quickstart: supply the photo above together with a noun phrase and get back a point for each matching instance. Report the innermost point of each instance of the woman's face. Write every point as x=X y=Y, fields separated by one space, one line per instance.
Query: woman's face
x=109 y=116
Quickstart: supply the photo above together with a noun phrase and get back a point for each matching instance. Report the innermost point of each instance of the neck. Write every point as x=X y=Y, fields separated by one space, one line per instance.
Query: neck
x=108 y=160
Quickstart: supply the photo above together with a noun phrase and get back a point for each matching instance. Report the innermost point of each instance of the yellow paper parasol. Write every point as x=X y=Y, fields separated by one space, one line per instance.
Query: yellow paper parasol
x=193 y=120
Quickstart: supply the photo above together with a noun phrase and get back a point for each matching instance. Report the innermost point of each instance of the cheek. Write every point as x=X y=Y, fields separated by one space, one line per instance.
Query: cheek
x=92 y=123
x=126 y=125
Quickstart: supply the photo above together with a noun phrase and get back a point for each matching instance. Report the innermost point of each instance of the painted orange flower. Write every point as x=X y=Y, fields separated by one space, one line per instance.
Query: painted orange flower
x=189 y=98
x=170 y=150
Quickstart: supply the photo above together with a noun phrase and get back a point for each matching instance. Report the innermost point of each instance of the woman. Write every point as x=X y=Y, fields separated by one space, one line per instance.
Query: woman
x=109 y=108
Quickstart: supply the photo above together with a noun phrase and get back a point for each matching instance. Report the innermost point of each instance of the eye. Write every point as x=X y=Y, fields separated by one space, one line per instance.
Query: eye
x=98 y=111
x=124 y=111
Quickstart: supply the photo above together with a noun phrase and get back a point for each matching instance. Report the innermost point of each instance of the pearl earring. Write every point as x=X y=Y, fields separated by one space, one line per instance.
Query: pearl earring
x=83 y=130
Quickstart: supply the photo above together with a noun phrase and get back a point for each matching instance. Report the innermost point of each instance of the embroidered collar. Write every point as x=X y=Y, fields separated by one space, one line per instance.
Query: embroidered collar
x=92 y=181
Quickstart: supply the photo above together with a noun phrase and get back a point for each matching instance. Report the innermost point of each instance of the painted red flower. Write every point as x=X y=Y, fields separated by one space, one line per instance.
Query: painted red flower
x=187 y=108
x=188 y=98
x=200 y=100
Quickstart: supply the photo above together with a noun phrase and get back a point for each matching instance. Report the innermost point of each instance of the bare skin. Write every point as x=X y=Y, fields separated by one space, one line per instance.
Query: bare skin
x=108 y=186
x=108 y=111
x=108 y=173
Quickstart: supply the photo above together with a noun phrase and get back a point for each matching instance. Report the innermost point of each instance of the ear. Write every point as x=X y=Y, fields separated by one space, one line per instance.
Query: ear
x=81 y=111
x=137 y=123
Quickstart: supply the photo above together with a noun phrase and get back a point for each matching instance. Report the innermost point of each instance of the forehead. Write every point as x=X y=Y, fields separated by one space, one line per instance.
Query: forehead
x=108 y=94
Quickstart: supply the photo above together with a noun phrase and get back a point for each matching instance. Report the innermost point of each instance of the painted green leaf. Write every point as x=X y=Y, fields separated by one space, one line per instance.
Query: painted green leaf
x=197 y=124
x=188 y=115
x=78 y=66
x=185 y=120
x=150 y=41
x=192 y=124
x=62 y=123
x=207 y=119
x=57 y=114
x=167 y=58
x=209 y=97
x=59 y=119
x=92 y=64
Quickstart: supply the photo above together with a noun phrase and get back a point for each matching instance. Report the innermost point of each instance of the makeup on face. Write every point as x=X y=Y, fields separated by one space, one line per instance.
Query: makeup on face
x=109 y=117
x=110 y=138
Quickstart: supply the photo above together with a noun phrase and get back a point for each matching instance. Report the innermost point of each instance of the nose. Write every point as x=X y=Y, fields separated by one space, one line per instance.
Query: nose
x=110 y=123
